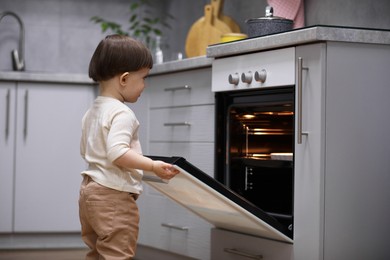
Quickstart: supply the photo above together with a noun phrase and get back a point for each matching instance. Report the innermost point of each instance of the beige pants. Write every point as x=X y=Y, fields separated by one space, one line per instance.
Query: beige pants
x=109 y=221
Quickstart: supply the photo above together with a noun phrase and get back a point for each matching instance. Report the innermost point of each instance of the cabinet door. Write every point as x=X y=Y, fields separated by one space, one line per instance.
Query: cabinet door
x=182 y=124
x=182 y=88
x=48 y=162
x=167 y=226
x=357 y=190
x=7 y=122
x=309 y=158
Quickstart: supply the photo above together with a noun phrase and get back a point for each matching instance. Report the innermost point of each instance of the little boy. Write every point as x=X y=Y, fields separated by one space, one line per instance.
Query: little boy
x=110 y=145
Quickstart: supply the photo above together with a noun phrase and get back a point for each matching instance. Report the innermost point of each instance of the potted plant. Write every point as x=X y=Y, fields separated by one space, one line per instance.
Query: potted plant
x=145 y=23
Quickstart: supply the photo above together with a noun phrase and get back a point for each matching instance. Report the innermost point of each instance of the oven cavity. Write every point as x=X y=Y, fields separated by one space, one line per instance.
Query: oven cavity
x=255 y=144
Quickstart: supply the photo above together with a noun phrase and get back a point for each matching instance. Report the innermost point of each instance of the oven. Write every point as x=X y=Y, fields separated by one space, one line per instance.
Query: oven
x=255 y=129
x=252 y=191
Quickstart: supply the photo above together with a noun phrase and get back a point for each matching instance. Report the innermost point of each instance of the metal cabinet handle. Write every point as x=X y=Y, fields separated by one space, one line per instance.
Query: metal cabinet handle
x=178 y=88
x=172 y=226
x=7 y=111
x=25 y=113
x=299 y=119
x=185 y=123
x=242 y=253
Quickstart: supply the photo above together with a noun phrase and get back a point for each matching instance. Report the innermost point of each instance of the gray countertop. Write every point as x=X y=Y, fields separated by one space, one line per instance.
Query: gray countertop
x=180 y=65
x=46 y=77
x=290 y=38
x=298 y=37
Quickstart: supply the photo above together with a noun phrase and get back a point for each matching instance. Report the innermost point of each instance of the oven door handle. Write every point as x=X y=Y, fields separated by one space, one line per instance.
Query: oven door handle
x=300 y=133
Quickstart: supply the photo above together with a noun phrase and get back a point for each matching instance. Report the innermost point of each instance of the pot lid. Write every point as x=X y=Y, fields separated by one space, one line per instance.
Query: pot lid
x=269 y=15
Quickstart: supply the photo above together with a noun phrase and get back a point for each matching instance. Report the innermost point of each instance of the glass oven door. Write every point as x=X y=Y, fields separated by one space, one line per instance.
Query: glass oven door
x=212 y=201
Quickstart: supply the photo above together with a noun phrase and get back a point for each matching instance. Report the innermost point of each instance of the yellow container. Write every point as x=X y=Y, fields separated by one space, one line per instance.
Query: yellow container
x=229 y=37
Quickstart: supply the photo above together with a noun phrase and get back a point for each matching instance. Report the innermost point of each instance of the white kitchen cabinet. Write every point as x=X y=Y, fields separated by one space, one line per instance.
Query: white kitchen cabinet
x=176 y=113
x=43 y=155
x=7 y=149
x=342 y=171
x=182 y=124
x=309 y=156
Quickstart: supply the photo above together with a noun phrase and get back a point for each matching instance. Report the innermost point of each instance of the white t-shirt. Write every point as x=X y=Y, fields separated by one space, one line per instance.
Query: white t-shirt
x=109 y=130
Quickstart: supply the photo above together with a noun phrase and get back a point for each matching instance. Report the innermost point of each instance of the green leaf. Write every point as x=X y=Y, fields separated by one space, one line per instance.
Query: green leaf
x=135 y=25
x=147 y=20
x=96 y=19
x=133 y=18
x=137 y=33
x=104 y=27
x=134 y=6
x=146 y=27
x=157 y=32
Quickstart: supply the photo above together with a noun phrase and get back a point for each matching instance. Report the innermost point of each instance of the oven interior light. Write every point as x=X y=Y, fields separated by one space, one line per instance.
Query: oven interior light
x=279 y=113
x=248 y=116
x=268 y=130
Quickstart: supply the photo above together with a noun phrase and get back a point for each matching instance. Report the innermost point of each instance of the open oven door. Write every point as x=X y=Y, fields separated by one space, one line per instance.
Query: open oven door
x=212 y=201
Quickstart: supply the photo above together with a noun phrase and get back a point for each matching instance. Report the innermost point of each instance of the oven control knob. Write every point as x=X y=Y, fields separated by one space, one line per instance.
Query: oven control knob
x=261 y=76
x=234 y=79
x=246 y=77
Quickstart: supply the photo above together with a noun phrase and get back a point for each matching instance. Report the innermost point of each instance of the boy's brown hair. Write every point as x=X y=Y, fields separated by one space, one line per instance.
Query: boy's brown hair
x=117 y=54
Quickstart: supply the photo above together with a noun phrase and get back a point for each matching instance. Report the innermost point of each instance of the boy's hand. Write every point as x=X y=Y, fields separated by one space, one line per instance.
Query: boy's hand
x=164 y=170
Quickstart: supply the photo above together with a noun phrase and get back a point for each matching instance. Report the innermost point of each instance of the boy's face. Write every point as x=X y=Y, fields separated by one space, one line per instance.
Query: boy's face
x=133 y=83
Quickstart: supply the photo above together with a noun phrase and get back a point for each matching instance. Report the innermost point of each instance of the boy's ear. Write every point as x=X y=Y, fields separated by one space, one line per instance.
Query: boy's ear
x=123 y=78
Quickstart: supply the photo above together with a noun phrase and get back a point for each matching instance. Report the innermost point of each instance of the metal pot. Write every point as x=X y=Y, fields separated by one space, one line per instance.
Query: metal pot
x=268 y=24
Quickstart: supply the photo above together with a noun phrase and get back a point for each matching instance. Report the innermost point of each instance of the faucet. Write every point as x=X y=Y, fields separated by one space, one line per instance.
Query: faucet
x=17 y=56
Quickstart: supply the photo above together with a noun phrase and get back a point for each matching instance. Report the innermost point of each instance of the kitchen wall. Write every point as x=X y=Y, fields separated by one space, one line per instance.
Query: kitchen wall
x=61 y=38
x=59 y=35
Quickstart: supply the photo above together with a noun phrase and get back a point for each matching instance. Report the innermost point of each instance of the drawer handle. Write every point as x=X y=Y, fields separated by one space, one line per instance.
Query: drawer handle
x=172 y=226
x=25 y=114
x=178 y=124
x=178 y=88
x=241 y=253
x=7 y=100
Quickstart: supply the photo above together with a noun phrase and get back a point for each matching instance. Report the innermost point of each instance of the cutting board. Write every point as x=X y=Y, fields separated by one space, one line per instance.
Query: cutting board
x=205 y=31
x=217 y=9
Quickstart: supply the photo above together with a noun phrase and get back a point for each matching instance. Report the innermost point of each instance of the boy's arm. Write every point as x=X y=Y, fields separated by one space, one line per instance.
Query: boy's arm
x=132 y=159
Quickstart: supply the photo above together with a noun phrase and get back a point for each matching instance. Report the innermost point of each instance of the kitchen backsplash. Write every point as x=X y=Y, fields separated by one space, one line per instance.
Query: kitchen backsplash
x=59 y=36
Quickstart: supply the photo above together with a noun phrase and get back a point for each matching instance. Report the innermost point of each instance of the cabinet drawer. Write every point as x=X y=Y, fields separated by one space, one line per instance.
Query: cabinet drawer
x=187 y=123
x=189 y=235
x=234 y=246
x=173 y=228
x=199 y=154
x=181 y=88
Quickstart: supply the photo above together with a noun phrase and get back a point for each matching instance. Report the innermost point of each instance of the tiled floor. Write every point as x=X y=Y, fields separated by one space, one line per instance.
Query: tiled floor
x=68 y=254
